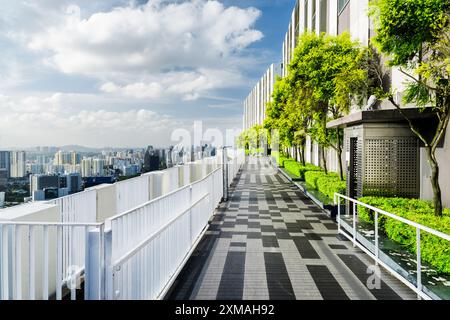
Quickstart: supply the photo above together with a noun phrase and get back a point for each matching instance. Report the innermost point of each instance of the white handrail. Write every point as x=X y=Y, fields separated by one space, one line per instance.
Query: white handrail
x=130 y=253
x=418 y=288
x=52 y=224
x=393 y=216
x=159 y=198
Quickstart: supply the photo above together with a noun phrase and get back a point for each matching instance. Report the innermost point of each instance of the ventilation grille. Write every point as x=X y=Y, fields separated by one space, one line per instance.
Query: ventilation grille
x=391 y=167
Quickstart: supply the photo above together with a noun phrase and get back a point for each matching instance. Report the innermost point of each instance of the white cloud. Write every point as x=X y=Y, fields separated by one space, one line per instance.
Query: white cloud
x=137 y=57
x=148 y=38
x=190 y=85
x=58 y=120
x=45 y=121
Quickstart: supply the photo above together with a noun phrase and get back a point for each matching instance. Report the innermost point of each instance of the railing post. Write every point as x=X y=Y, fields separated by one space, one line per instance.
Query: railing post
x=225 y=173
x=4 y=277
x=190 y=215
x=339 y=211
x=419 y=263
x=376 y=238
x=354 y=224
x=93 y=268
x=109 y=272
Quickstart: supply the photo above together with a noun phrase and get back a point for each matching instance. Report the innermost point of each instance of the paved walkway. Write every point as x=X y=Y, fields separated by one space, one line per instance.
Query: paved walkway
x=271 y=242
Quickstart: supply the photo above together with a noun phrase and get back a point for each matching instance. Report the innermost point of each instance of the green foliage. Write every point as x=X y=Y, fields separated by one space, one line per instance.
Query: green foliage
x=416 y=36
x=297 y=169
x=434 y=250
x=331 y=184
x=251 y=139
x=326 y=75
x=283 y=160
x=403 y=26
x=312 y=176
x=327 y=184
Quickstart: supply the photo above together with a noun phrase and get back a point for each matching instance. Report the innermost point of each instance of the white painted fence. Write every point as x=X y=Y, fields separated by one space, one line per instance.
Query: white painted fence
x=146 y=246
x=131 y=193
x=143 y=250
x=33 y=265
x=77 y=208
x=375 y=253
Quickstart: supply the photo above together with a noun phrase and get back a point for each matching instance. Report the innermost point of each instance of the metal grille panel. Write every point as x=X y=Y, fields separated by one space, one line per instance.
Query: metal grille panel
x=391 y=167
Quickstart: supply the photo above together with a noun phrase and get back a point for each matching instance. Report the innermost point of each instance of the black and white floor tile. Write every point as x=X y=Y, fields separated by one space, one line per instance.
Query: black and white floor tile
x=270 y=241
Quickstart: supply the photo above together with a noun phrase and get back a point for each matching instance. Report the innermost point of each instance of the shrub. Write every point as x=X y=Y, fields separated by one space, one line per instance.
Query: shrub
x=280 y=157
x=297 y=169
x=327 y=184
x=434 y=250
x=312 y=176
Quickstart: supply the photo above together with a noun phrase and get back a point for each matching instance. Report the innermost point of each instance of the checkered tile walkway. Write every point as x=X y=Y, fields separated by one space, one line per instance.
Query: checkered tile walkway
x=271 y=242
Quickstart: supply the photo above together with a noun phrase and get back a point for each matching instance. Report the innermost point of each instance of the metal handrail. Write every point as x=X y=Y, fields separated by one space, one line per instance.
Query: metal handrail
x=418 y=287
x=409 y=222
x=51 y=224
x=132 y=252
x=159 y=198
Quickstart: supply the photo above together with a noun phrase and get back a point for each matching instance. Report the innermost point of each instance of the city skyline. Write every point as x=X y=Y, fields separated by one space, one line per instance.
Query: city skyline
x=127 y=90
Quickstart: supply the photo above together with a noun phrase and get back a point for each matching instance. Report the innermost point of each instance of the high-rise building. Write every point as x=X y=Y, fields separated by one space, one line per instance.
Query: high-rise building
x=151 y=160
x=256 y=102
x=62 y=158
x=5 y=162
x=44 y=186
x=35 y=168
x=3 y=179
x=75 y=158
x=98 y=167
x=74 y=182
x=17 y=164
x=86 y=167
x=2 y=199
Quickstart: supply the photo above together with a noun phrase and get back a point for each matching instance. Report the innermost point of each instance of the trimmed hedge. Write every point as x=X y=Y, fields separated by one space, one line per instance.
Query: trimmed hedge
x=312 y=176
x=327 y=184
x=297 y=169
x=282 y=159
x=434 y=250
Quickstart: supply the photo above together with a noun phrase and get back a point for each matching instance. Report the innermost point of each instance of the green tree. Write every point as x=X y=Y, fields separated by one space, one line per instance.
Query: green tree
x=415 y=35
x=275 y=110
x=331 y=69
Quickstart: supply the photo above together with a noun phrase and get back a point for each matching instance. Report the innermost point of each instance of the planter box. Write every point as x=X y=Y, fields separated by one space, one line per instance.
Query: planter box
x=317 y=197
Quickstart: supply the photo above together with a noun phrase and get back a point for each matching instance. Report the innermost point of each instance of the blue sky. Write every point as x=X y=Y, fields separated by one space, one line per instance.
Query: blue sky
x=127 y=73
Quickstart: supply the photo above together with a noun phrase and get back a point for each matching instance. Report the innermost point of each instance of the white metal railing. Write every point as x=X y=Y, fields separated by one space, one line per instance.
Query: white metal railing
x=146 y=246
x=32 y=262
x=140 y=250
x=78 y=208
x=132 y=192
x=418 y=288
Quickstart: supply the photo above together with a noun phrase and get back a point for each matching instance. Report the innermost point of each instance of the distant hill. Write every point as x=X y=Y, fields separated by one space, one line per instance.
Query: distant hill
x=78 y=148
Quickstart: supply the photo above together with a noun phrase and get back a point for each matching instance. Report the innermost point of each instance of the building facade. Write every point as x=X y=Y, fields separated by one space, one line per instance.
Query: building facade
x=5 y=162
x=18 y=164
x=335 y=17
x=45 y=187
x=256 y=103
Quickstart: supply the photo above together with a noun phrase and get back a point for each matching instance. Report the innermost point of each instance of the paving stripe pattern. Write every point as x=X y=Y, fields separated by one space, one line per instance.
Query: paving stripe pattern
x=270 y=241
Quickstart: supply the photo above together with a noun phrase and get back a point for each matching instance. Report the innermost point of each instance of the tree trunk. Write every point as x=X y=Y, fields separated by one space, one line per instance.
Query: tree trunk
x=341 y=170
x=339 y=153
x=434 y=179
x=302 y=154
x=324 y=161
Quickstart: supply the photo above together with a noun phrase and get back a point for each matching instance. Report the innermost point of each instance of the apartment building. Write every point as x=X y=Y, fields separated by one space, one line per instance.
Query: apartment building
x=368 y=129
x=256 y=103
